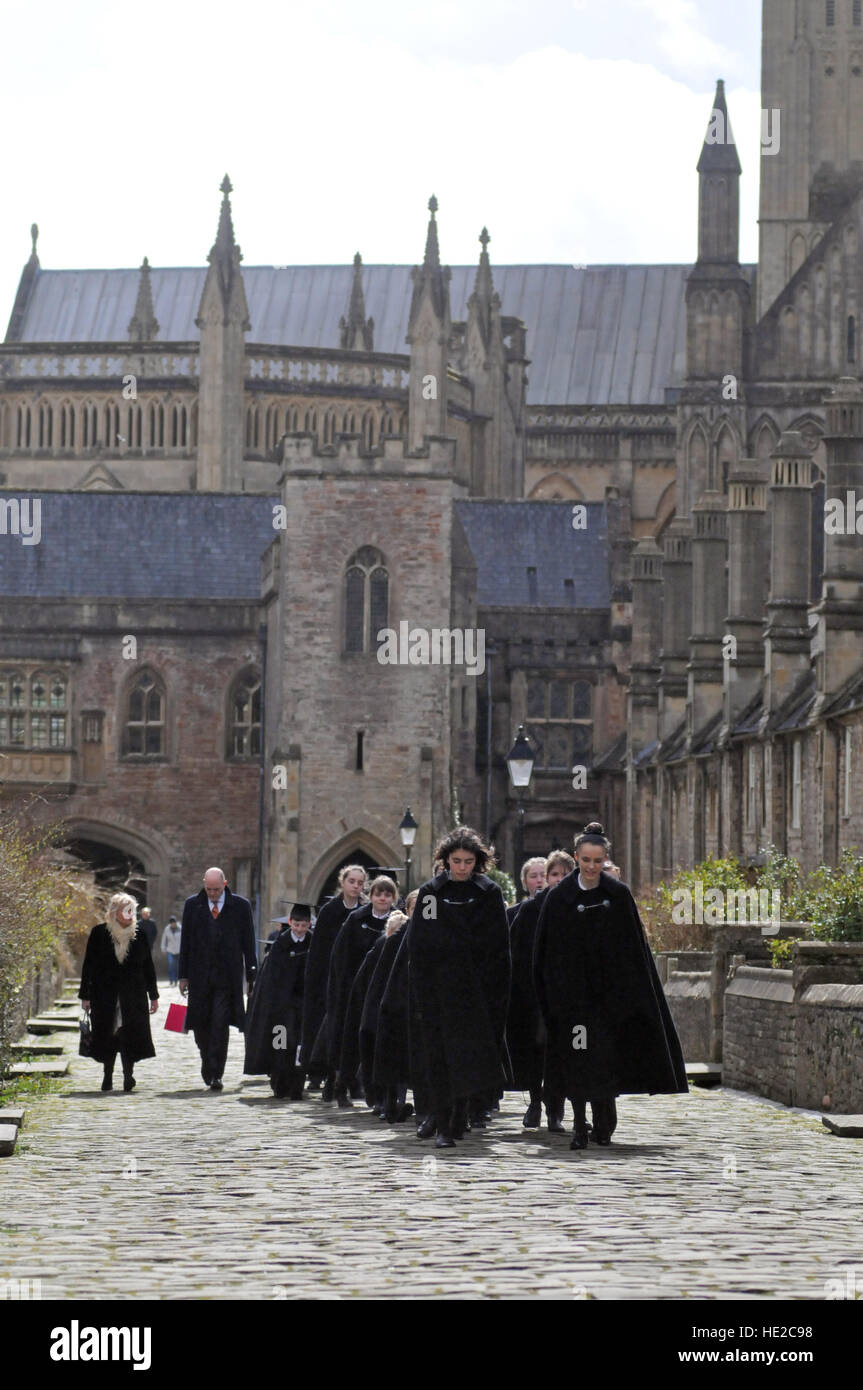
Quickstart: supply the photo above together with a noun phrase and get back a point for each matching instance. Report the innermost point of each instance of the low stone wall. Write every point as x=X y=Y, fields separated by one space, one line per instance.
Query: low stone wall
x=829 y=1062
x=688 y=995
x=759 y=1047
x=39 y=993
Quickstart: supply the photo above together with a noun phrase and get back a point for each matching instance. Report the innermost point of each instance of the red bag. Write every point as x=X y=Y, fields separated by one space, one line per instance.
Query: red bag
x=176 y=1019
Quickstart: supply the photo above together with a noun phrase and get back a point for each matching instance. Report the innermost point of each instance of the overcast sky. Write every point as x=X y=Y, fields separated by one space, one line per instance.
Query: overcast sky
x=570 y=127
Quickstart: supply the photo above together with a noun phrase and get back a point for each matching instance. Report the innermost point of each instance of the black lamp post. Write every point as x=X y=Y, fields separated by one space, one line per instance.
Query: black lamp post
x=408 y=833
x=520 y=760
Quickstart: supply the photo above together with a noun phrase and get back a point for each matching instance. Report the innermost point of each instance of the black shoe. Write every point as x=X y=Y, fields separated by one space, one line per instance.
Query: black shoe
x=532 y=1115
x=444 y=1141
x=579 y=1139
x=427 y=1127
x=600 y=1137
x=404 y=1112
x=216 y=1084
x=555 y=1123
x=129 y=1083
x=329 y=1091
x=344 y=1101
x=107 y=1083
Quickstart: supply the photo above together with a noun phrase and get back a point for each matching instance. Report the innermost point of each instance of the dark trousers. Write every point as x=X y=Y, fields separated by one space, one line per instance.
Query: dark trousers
x=128 y=1065
x=604 y=1113
x=211 y=1034
x=287 y=1080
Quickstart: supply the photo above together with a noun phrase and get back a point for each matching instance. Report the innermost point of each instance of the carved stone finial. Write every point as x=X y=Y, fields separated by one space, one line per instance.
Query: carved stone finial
x=143 y=325
x=34 y=237
x=433 y=205
x=226 y=186
x=484 y=238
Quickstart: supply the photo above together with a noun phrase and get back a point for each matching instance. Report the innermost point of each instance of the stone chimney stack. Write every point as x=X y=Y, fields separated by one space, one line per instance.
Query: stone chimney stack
x=743 y=658
x=676 y=619
x=840 y=612
x=646 y=643
x=787 y=634
x=709 y=609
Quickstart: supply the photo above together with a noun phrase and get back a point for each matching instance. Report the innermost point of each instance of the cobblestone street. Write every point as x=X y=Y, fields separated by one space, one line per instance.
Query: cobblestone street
x=175 y=1192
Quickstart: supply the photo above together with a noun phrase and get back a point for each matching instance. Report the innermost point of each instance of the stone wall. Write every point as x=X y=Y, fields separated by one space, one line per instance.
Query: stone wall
x=759 y=1052
x=688 y=995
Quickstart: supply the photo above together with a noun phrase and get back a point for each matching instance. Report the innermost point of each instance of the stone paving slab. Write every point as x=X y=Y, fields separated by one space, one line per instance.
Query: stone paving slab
x=52 y=1023
x=13 y=1116
x=58 y=1067
x=847 y=1126
x=177 y=1192
x=8 y=1139
x=36 y=1049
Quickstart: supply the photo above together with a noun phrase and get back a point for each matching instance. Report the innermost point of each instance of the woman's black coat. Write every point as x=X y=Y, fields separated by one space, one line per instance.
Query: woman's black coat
x=239 y=935
x=361 y=1024
x=277 y=1002
x=328 y=924
x=358 y=935
x=593 y=969
x=459 y=989
x=525 y=1030
x=105 y=982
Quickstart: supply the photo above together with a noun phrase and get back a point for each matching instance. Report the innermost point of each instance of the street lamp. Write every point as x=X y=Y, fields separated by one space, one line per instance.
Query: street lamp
x=408 y=832
x=520 y=760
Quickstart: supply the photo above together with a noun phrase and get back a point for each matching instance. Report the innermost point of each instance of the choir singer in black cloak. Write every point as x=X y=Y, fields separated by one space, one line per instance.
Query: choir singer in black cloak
x=275 y=1017
x=458 y=947
x=525 y=1030
x=358 y=935
x=352 y=881
x=610 y=1031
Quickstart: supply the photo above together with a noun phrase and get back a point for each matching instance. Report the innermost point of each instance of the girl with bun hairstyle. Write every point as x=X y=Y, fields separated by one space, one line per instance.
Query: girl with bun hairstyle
x=610 y=1031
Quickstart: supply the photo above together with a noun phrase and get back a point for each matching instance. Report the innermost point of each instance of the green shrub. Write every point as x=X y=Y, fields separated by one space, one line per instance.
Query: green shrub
x=663 y=933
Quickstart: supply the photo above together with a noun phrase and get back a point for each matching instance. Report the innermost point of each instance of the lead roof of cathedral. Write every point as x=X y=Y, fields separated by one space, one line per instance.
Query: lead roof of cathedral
x=612 y=334
x=210 y=546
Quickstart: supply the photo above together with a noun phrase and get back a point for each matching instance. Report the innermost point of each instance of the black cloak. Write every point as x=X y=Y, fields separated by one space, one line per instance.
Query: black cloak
x=358 y=935
x=593 y=970
x=459 y=976
x=105 y=982
x=238 y=930
x=361 y=1024
x=392 y=1065
x=525 y=1030
x=328 y=924
x=277 y=1002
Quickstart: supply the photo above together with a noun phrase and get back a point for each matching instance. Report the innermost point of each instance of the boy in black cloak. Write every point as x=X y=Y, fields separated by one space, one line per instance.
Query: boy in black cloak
x=330 y=919
x=525 y=1030
x=275 y=1015
x=610 y=1031
x=358 y=935
x=459 y=971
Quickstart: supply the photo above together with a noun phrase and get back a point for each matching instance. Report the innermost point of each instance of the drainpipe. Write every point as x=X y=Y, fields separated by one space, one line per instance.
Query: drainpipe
x=262 y=782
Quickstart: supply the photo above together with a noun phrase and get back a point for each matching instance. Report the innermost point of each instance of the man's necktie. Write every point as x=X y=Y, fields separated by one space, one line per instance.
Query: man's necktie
x=214 y=910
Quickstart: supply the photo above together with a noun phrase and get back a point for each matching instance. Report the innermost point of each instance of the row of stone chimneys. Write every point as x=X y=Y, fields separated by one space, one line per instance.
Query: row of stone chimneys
x=724 y=608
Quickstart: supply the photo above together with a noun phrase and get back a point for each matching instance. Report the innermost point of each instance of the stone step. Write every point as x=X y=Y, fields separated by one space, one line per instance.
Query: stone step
x=704 y=1073
x=52 y=1023
x=14 y=1116
x=35 y=1049
x=846 y=1126
x=8 y=1140
x=59 y=1067
x=67 y=1003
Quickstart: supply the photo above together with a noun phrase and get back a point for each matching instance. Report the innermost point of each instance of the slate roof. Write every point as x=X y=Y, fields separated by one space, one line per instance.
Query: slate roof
x=141 y=545
x=510 y=538
x=209 y=546
x=596 y=335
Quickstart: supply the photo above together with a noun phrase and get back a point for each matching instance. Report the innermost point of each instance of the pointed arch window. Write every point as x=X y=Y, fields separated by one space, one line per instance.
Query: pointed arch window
x=366 y=600
x=24 y=425
x=244 y=739
x=46 y=426
x=144 y=726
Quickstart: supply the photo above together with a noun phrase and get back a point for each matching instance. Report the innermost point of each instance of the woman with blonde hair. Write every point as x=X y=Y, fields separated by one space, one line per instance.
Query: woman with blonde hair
x=117 y=977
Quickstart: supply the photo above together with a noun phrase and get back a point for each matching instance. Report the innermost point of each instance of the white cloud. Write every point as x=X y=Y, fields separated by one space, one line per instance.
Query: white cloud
x=684 y=39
